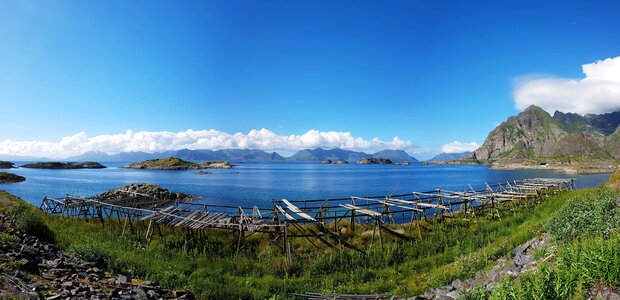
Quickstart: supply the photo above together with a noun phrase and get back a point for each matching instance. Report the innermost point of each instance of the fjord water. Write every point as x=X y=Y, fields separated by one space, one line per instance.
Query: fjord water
x=258 y=183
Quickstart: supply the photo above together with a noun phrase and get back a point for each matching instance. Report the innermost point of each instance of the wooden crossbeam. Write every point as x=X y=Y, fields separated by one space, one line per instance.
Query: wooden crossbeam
x=431 y=205
x=361 y=210
x=286 y=215
x=298 y=211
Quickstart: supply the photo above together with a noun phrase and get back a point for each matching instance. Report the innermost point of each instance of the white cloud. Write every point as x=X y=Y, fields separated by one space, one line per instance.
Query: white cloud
x=458 y=147
x=150 y=141
x=598 y=92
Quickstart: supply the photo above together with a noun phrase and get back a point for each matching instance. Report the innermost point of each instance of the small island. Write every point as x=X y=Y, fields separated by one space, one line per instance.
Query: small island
x=335 y=162
x=173 y=163
x=143 y=196
x=375 y=161
x=6 y=165
x=63 y=165
x=6 y=177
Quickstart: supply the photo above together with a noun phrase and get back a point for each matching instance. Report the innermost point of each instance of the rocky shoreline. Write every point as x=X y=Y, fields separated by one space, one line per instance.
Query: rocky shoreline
x=32 y=269
x=566 y=169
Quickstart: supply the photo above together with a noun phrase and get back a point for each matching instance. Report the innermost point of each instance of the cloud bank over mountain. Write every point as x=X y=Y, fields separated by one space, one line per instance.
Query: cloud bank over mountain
x=157 y=141
x=458 y=147
x=598 y=92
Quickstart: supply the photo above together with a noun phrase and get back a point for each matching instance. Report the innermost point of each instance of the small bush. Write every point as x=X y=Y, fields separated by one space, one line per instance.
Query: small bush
x=591 y=214
x=478 y=293
x=92 y=253
x=9 y=239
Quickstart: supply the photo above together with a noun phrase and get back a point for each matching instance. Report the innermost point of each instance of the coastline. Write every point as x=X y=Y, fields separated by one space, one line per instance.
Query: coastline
x=576 y=170
x=566 y=169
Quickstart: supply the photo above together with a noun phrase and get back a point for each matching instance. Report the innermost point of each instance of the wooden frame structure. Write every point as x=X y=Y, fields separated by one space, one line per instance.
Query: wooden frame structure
x=320 y=221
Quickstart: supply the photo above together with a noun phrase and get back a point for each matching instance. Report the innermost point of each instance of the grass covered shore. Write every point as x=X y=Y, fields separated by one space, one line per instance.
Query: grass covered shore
x=211 y=269
x=586 y=232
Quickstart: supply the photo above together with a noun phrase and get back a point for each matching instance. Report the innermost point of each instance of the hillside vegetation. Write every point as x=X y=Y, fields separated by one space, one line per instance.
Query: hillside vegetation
x=174 y=163
x=6 y=177
x=6 y=164
x=535 y=136
x=587 y=259
x=212 y=269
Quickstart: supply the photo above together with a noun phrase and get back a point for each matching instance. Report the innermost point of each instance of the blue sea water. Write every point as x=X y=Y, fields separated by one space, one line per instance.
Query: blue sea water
x=258 y=183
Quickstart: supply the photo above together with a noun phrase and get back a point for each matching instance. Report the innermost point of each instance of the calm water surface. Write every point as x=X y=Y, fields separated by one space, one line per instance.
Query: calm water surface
x=258 y=183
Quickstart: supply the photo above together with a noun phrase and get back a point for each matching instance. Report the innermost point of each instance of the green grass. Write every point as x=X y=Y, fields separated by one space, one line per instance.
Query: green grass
x=587 y=237
x=591 y=214
x=211 y=269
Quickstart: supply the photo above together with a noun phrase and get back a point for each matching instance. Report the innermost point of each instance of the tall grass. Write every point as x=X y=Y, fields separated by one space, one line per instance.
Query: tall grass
x=591 y=214
x=586 y=229
x=212 y=269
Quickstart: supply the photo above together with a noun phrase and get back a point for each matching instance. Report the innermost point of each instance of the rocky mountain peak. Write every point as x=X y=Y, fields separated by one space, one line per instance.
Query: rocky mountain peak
x=534 y=133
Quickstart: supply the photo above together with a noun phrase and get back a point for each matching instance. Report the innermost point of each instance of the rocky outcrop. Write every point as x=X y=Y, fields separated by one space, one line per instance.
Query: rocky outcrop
x=62 y=165
x=374 y=161
x=6 y=164
x=32 y=269
x=534 y=134
x=216 y=165
x=336 y=162
x=146 y=190
x=173 y=163
x=6 y=177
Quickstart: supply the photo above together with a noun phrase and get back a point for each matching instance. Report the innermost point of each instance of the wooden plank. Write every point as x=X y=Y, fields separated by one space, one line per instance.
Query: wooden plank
x=286 y=215
x=298 y=211
x=431 y=205
x=361 y=210
x=401 y=206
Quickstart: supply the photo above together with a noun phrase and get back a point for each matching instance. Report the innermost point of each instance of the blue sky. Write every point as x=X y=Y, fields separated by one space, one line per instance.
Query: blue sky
x=429 y=72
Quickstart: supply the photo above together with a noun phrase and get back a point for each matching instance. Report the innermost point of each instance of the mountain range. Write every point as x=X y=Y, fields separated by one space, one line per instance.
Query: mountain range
x=565 y=137
x=239 y=155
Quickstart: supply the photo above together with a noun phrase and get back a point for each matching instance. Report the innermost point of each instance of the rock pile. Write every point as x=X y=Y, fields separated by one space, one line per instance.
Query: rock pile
x=522 y=260
x=374 y=161
x=336 y=162
x=31 y=269
x=147 y=190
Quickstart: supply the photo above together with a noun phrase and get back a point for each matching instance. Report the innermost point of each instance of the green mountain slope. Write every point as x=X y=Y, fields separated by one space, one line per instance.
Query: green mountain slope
x=535 y=134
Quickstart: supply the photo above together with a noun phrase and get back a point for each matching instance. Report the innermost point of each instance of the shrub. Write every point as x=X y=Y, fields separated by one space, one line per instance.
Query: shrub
x=91 y=253
x=9 y=239
x=591 y=214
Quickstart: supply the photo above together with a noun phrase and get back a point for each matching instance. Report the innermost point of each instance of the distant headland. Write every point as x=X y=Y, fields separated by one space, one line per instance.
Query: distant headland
x=6 y=177
x=64 y=165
